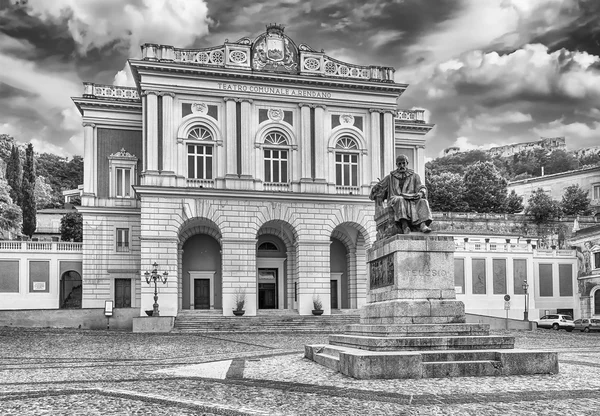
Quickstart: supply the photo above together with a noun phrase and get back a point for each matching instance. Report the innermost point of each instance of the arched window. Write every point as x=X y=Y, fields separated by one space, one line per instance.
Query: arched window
x=268 y=246
x=200 y=155
x=346 y=162
x=70 y=290
x=276 y=157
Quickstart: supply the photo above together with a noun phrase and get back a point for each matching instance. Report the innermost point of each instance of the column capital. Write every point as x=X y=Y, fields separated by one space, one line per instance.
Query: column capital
x=149 y=92
x=238 y=100
x=88 y=124
x=323 y=106
x=166 y=94
x=376 y=110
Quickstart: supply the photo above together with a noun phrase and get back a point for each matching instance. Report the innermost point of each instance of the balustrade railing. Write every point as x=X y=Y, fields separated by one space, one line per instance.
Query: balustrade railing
x=30 y=246
x=276 y=187
x=200 y=183
x=347 y=190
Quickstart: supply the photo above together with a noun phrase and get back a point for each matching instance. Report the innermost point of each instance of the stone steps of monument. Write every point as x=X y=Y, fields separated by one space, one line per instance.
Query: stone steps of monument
x=373 y=343
x=480 y=368
x=190 y=322
x=459 y=355
x=419 y=330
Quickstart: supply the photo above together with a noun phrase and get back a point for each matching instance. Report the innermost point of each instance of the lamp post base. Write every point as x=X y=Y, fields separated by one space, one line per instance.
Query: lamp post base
x=526 y=316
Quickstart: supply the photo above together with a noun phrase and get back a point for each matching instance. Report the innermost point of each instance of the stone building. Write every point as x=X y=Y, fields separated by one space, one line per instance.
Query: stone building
x=587 y=243
x=245 y=166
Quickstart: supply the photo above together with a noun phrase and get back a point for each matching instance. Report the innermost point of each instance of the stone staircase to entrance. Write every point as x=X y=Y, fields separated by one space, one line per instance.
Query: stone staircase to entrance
x=271 y=321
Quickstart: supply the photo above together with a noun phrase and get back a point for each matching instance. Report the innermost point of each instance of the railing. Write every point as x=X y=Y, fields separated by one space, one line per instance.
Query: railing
x=92 y=90
x=497 y=247
x=347 y=190
x=417 y=116
x=276 y=187
x=40 y=246
x=200 y=183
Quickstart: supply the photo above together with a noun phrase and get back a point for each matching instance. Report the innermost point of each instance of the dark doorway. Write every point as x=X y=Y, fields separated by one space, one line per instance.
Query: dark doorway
x=201 y=293
x=334 y=294
x=70 y=290
x=122 y=293
x=267 y=288
x=597 y=302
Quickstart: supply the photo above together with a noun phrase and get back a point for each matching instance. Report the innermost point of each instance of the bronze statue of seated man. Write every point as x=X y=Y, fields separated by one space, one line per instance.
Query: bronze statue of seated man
x=404 y=192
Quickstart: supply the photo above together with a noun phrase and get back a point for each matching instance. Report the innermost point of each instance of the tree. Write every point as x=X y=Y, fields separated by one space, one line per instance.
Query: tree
x=446 y=192
x=560 y=161
x=28 y=192
x=542 y=207
x=71 y=227
x=14 y=172
x=485 y=188
x=43 y=194
x=514 y=203
x=575 y=201
x=10 y=213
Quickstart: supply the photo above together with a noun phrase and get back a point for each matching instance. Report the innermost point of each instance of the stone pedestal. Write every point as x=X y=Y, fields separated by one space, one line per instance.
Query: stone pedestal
x=412 y=325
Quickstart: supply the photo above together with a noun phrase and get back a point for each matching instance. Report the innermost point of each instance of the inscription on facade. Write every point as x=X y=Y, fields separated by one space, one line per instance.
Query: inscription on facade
x=292 y=92
x=382 y=272
x=427 y=273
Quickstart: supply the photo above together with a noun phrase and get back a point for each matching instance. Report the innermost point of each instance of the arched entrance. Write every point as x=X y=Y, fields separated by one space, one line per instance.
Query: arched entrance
x=70 y=290
x=597 y=302
x=348 y=254
x=274 y=263
x=201 y=269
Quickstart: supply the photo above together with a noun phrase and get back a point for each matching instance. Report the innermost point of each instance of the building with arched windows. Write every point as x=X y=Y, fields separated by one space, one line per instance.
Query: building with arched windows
x=241 y=167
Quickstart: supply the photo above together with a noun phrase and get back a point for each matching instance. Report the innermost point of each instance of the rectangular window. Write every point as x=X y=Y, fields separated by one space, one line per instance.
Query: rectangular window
x=478 y=279
x=200 y=159
x=519 y=275
x=459 y=275
x=346 y=169
x=499 y=276
x=123 y=185
x=122 y=239
x=276 y=165
x=596 y=260
x=546 y=280
x=9 y=276
x=565 y=280
x=122 y=293
x=596 y=192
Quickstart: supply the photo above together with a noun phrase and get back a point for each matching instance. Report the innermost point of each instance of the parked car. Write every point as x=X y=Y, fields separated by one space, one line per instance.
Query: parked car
x=587 y=325
x=556 y=322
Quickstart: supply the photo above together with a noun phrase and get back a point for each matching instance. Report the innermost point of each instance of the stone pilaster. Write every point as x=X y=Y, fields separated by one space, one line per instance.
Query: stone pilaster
x=248 y=164
x=239 y=273
x=168 y=133
x=375 y=147
x=90 y=159
x=305 y=147
x=321 y=165
x=389 y=146
x=230 y=138
x=151 y=131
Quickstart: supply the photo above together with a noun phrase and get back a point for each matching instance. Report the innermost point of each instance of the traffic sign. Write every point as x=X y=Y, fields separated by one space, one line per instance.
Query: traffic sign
x=507 y=304
x=507 y=297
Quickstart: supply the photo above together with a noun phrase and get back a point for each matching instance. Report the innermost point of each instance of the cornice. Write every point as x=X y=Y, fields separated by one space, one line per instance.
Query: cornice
x=345 y=83
x=212 y=193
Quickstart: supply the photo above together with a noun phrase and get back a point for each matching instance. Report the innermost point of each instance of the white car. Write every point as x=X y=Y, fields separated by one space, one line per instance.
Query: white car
x=556 y=322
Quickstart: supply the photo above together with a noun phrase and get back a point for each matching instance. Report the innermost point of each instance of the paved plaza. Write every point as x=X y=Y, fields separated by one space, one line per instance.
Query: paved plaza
x=75 y=372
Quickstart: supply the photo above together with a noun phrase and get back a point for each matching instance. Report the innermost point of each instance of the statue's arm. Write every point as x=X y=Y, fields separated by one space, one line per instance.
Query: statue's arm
x=379 y=192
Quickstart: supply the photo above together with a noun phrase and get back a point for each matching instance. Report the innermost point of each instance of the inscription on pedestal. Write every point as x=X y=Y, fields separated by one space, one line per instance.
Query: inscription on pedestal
x=382 y=272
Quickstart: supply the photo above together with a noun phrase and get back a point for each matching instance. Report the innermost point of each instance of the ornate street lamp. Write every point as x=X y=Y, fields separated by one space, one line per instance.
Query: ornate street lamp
x=526 y=313
x=155 y=277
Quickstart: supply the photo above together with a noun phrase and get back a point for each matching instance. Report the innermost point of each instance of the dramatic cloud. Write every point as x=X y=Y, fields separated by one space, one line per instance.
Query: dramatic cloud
x=95 y=24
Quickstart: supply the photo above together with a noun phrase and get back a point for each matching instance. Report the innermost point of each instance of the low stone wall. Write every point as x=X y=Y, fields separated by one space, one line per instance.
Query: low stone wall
x=122 y=319
x=499 y=323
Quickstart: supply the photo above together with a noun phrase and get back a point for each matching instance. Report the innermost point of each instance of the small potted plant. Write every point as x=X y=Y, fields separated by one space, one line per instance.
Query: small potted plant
x=240 y=300
x=317 y=306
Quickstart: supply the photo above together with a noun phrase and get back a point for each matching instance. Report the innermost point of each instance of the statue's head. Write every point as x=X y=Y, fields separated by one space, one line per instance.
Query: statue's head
x=402 y=163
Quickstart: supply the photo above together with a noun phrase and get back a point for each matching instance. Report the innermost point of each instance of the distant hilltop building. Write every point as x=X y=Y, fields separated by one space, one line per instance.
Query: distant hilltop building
x=548 y=143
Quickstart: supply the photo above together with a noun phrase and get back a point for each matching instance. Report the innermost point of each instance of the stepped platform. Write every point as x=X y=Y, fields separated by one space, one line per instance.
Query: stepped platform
x=413 y=326
x=272 y=321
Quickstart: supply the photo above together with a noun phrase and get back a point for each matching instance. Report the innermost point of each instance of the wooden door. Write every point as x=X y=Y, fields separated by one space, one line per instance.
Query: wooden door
x=334 y=294
x=122 y=293
x=201 y=293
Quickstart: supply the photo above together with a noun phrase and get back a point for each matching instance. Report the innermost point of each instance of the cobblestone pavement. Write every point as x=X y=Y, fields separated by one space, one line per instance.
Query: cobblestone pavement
x=75 y=372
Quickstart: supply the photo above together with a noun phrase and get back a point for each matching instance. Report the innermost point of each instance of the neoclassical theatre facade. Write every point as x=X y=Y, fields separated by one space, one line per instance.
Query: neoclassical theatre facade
x=240 y=167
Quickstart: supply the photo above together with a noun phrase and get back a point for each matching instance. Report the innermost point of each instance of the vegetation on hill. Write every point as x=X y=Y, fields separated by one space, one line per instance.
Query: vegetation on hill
x=474 y=181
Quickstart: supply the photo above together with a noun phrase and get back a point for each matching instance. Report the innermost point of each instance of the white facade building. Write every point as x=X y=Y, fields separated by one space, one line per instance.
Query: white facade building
x=245 y=166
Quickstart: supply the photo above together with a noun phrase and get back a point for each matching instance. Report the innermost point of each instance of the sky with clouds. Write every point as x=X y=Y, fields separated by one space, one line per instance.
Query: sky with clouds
x=488 y=72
